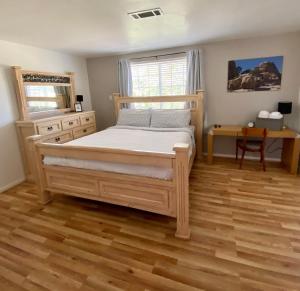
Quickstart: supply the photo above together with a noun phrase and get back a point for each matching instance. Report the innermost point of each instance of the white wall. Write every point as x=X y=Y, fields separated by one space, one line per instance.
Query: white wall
x=222 y=107
x=29 y=58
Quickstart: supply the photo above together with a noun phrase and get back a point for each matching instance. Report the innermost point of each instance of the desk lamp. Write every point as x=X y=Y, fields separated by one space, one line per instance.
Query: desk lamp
x=285 y=108
x=78 y=105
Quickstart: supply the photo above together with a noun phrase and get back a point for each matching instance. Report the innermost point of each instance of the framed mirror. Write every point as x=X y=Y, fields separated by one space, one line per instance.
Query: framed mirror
x=43 y=94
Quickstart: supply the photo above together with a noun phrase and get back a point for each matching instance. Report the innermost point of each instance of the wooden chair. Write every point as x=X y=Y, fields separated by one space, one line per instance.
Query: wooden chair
x=254 y=140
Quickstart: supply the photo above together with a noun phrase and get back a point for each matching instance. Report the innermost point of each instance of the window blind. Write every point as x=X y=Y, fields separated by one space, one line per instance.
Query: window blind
x=160 y=77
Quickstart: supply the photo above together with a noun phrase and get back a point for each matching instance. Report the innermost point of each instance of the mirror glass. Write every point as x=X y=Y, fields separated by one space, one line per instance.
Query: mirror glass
x=47 y=97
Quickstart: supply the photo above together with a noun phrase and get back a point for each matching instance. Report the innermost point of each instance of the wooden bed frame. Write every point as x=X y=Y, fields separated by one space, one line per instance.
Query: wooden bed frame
x=167 y=197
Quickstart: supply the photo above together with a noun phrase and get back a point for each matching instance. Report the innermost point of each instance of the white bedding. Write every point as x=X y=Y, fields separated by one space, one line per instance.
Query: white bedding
x=160 y=140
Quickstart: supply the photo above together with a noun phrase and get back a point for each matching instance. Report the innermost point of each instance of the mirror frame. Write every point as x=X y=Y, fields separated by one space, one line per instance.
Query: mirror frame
x=21 y=96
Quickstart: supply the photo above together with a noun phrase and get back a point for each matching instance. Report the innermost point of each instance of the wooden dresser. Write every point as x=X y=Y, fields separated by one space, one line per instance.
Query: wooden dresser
x=56 y=129
x=46 y=103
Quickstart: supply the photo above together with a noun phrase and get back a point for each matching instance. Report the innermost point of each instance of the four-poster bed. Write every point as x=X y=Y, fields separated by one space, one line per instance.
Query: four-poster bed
x=164 y=196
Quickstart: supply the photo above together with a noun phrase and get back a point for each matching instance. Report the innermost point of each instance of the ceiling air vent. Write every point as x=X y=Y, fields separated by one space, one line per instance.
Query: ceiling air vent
x=146 y=13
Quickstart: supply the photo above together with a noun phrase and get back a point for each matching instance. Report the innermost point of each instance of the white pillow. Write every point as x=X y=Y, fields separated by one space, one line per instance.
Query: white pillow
x=134 y=117
x=171 y=118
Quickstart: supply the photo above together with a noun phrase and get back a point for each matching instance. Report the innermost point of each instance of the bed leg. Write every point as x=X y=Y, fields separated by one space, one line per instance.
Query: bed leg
x=182 y=190
x=45 y=197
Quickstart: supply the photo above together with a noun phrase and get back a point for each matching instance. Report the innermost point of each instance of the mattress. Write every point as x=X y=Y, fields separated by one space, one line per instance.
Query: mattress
x=159 y=140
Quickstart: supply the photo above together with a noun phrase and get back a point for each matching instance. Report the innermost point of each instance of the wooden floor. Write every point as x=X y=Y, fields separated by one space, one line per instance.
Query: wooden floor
x=245 y=236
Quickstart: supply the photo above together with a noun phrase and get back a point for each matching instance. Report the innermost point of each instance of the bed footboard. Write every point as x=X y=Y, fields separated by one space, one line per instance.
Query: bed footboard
x=167 y=197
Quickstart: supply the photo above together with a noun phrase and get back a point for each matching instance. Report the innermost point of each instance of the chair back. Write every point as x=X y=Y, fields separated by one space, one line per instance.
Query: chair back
x=256 y=133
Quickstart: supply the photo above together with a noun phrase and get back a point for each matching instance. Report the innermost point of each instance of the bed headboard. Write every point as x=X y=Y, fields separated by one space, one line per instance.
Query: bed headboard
x=196 y=101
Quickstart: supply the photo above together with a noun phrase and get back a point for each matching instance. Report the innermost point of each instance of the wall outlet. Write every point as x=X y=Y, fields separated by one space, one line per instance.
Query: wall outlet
x=110 y=98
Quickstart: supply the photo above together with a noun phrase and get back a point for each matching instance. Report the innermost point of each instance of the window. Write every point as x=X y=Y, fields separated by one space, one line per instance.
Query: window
x=160 y=77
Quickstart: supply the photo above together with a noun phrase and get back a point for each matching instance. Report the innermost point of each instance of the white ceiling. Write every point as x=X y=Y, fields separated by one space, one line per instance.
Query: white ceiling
x=102 y=27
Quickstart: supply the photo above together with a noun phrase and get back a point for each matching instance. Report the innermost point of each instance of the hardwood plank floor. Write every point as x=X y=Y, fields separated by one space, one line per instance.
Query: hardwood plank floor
x=245 y=236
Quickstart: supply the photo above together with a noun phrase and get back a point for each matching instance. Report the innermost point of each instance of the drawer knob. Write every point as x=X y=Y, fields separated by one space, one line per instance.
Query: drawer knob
x=84 y=130
x=71 y=122
x=87 y=119
x=57 y=139
x=50 y=128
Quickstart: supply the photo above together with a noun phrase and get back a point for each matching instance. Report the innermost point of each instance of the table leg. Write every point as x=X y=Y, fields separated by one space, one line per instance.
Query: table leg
x=290 y=154
x=210 y=148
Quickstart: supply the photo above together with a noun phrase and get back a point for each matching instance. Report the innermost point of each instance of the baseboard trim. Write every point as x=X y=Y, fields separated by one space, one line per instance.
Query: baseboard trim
x=246 y=157
x=12 y=184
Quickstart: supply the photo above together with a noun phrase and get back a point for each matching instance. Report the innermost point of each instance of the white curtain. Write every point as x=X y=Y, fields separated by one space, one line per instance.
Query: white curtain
x=194 y=80
x=125 y=78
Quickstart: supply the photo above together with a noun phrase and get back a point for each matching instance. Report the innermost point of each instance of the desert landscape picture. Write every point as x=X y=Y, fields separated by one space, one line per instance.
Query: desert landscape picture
x=259 y=74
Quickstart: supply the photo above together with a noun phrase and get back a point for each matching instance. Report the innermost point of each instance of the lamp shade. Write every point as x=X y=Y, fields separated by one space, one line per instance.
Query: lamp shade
x=79 y=98
x=285 y=107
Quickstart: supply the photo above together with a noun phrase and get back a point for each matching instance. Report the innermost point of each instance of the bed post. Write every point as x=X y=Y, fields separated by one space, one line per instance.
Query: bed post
x=182 y=190
x=199 y=126
x=117 y=105
x=38 y=172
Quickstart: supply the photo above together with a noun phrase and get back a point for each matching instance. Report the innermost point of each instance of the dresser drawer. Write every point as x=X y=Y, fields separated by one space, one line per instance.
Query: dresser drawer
x=71 y=122
x=88 y=118
x=82 y=131
x=49 y=127
x=60 y=138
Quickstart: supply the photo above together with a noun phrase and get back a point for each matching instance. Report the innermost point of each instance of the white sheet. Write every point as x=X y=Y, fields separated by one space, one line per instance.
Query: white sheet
x=160 y=140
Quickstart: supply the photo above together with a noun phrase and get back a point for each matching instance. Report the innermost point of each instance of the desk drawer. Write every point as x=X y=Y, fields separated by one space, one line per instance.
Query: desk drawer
x=49 y=127
x=60 y=138
x=85 y=130
x=70 y=122
x=88 y=118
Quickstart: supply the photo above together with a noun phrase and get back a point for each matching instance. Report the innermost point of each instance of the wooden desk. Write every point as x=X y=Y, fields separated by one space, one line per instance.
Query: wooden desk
x=290 y=151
